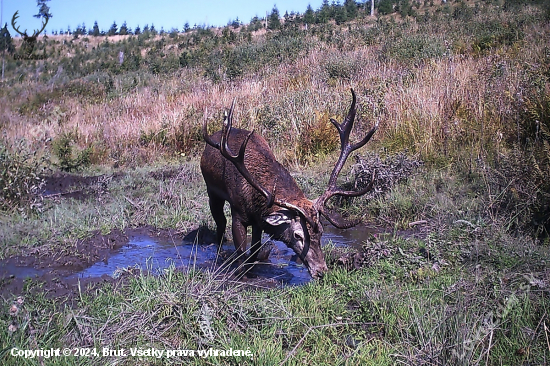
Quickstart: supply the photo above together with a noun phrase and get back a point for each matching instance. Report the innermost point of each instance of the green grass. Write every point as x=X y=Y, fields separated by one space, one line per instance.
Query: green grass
x=131 y=199
x=466 y=292
x=461 y=314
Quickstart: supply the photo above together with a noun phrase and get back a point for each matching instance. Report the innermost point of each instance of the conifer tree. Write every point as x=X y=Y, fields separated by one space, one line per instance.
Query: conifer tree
x=273 y=21
x=6 y=42
x=43 y=9
x=324 y=13
x=309 y=15
x=255 y=24
x=113 y=30
x=340 y=14
x=351 y=9
x=123 y=29
x=385 y=7
x=95 y=30
x=80 y=30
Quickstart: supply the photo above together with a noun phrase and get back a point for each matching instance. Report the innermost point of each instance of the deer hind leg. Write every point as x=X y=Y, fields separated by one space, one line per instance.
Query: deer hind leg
x=216 y=208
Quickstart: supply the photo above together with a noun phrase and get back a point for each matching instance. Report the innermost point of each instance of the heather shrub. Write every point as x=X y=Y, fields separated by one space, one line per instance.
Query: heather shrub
x=21 y=177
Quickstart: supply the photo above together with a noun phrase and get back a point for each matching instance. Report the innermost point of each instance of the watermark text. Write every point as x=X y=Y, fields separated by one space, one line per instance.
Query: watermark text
x=128 y=352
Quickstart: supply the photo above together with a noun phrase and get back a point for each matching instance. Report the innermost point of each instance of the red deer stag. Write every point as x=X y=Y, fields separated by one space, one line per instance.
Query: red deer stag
x=263 y=194
x=28 y=41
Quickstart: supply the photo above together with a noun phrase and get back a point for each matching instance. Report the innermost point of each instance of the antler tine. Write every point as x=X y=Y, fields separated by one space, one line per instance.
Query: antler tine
x=36 y=33
x=346 y=148
x=13 y=19
x=340 y=192
x=339 y=224
x=227 y=124
x=238 y=160
x=344 y=130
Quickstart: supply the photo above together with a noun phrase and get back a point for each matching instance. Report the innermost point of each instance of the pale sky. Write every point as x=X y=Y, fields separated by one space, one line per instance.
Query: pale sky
x=161 y=13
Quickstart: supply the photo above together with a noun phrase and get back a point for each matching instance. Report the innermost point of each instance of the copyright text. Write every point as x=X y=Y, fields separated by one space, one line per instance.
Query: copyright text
x=127 y=352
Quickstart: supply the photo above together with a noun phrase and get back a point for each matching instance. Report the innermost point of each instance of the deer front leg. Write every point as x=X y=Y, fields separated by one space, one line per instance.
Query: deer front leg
x=239 y=235
x=255 y=246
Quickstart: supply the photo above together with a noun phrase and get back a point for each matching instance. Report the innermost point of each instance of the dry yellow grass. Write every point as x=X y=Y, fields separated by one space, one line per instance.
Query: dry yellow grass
x=427 y=105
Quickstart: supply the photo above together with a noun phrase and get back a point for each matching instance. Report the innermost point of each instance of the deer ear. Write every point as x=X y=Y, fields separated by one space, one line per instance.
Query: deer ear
x=277 y=218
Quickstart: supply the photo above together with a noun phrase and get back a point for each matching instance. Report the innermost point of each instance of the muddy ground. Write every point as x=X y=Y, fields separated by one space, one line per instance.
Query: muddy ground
x=51 y=275
x=56 y=276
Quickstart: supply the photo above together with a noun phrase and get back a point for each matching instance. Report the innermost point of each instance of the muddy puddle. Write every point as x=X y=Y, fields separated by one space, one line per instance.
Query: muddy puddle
x=105 y=258
x=154 y=253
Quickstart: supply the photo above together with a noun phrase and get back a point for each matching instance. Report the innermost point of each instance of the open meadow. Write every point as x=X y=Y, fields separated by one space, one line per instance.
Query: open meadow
x=101 y=142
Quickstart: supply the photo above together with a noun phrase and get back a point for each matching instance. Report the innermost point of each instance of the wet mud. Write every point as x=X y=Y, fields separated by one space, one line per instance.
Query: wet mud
x=112 y=257
x=108 y=258
x=53 y=275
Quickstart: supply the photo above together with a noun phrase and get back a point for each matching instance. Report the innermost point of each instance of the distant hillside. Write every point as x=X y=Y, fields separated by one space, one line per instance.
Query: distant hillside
x=231 y=51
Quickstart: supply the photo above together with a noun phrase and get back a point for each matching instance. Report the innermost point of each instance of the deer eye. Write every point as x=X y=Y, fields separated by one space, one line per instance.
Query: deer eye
x=298 y=236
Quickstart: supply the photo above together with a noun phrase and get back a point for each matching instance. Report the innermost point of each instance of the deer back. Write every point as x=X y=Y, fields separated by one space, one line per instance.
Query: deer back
x=223 y=178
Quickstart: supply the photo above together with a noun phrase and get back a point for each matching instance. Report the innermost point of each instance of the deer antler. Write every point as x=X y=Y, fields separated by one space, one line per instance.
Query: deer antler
x=238 y=162
x=36 y=33
x=205 y=136
x=13 y=19
x=24 y=34
x=344 y=130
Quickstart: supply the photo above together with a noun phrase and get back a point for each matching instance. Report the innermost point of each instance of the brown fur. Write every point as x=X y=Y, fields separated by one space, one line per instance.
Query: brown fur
x=248 y=206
